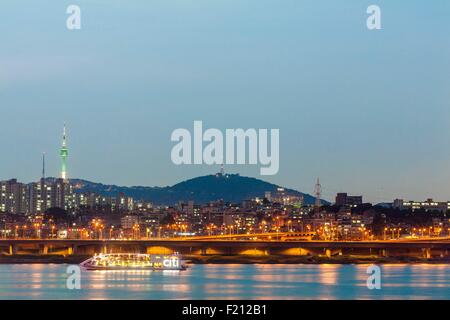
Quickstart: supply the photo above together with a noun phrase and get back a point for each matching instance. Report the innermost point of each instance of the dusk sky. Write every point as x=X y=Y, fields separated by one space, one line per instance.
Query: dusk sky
x=366 y=111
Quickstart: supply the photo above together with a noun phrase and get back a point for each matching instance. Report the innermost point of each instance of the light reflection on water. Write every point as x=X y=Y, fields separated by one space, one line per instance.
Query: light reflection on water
x=269 y=282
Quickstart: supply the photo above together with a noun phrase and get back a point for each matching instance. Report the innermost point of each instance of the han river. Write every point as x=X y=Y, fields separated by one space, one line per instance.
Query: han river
x=231 y=281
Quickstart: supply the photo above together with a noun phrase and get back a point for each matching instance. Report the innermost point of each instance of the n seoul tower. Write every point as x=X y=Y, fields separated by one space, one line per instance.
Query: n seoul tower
x=64 y=153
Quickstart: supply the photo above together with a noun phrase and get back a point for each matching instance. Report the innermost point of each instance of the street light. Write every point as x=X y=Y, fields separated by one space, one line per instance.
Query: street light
x=24 y=231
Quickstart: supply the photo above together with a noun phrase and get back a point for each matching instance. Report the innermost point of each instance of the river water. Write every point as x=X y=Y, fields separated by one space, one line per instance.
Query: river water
x=49 y=281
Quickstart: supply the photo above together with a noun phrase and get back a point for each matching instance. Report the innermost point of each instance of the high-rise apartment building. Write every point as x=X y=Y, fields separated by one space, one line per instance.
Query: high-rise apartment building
x=13 y=196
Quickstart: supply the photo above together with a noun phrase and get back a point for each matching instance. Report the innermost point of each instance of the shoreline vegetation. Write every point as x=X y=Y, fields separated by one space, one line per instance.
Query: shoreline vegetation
x=238 y=259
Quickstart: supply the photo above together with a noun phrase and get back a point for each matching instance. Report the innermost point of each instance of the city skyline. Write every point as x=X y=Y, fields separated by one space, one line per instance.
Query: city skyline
x=64 y=175
x=350 y=107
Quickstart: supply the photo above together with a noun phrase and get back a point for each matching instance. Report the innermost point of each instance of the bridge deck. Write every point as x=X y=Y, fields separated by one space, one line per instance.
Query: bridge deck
x=235 y=243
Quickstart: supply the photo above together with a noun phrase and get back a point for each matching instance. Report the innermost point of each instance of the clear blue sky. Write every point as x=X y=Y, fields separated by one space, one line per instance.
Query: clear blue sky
x=367 y=111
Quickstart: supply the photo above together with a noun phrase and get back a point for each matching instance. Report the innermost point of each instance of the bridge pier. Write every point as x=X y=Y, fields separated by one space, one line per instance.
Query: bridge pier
x=72 y=249
x=43 y=249
x=331 y=252
x=12 y=249
x=426 y=253
x=303 y=252
x=383 y=253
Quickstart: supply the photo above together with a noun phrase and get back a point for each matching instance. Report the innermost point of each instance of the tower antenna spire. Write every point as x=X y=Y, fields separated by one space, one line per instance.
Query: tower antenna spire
x=64 y=136
x=318 y=193
x=43 y=165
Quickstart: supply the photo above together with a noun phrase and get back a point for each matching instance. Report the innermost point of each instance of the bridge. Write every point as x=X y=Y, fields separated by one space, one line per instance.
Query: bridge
x=283 y=236
x=410 y=248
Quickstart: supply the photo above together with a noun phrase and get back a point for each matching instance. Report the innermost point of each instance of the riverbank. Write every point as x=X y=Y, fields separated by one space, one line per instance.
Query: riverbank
x=41 y=259
x=236 y=259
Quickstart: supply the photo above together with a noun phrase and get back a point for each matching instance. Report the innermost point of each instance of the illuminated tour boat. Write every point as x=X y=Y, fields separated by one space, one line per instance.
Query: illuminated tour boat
x=134 y=261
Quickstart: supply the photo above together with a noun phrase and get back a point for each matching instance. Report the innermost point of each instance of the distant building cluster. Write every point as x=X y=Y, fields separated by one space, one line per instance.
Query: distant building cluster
x=38 y=197
x=35 y=198
x=55 y=208
x=343 y=199
x=428 y=205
